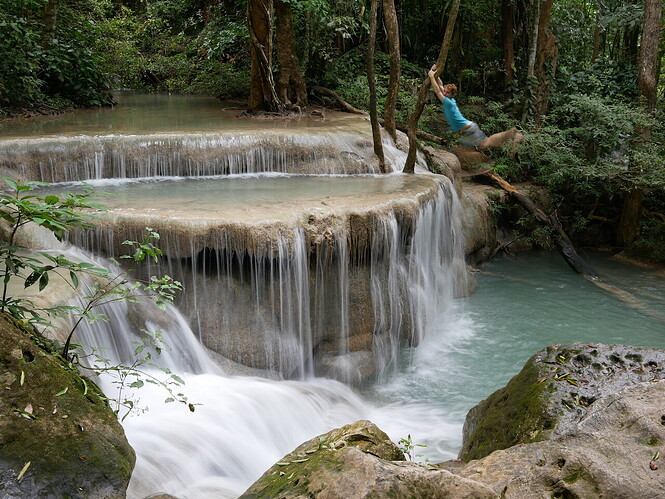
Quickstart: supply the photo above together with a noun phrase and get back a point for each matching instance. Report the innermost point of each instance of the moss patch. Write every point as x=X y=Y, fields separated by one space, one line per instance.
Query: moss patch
x=58 y=421
x=295 y=474
x=514 y=414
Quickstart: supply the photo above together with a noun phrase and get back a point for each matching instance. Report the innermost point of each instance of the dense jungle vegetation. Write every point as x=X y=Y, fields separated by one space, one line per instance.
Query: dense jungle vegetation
x=581 y=79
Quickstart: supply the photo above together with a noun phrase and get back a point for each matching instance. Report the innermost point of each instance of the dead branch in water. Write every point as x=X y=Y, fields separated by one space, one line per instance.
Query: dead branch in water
x=565 y=247
x=561 y=239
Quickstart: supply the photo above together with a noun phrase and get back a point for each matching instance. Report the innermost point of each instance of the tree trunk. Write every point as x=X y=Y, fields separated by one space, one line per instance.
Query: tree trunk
x=647 y=84
x=50 y=22
x=647 y=62
x=373 y=114
x=508 y=40
x=547 y=55
x=262 y=94
x=596 y=38
x=392 y=30
x=533 y=39
x=631 y=212
x=410 y=164
x=291 y=88
x=531 y=82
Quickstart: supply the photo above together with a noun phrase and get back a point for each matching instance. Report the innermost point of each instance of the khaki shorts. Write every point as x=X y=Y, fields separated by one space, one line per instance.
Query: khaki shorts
x=472 y=135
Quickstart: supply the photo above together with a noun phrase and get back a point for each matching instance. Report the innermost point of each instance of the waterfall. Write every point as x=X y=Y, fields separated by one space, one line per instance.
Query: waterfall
x=66 y=159
x=241 y=425
x=336 y=299
x=331 y=291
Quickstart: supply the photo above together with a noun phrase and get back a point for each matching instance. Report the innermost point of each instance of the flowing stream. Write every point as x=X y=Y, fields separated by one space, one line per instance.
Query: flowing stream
x=244 y=423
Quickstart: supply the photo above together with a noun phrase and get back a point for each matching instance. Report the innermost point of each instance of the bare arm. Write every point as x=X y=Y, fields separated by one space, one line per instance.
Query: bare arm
x=438 y=89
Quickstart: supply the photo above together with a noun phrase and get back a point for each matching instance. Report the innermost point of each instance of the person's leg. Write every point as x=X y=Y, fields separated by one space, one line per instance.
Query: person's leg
x=501 y=138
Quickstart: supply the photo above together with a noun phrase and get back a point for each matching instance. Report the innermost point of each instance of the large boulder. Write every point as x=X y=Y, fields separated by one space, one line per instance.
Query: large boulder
x=358 y=461
x=58 y=435
x=613 y=450
x=556 y=389
x=579 y=421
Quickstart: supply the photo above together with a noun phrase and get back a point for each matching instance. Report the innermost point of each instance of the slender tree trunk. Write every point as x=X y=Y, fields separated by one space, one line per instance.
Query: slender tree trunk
x=647 y=83
x=262 y=94
x=531 y=83
x=547 y=55
x=508 y=40
x=291 y=88
x=410 y=164
x=50 y=22
x=596 y=37
x=533 y=39
x=392 y=30
x=373 y=114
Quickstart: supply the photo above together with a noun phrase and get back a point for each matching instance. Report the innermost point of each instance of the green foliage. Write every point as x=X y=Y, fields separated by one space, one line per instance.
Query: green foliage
x=43 y=68
x=649 y=245
x=22 y=206
x=604 y=78
x=408 y=447
x=19 y=208
x=592 y=146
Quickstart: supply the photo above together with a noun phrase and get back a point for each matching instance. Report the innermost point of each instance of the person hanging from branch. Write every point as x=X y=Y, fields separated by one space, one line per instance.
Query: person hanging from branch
x=471 y=134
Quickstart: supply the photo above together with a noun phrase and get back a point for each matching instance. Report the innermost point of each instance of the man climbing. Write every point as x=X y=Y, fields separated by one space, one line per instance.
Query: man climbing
x=472 y=135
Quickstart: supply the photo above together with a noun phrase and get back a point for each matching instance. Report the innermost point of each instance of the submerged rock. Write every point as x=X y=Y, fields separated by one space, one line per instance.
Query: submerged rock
x=358 y=461
x=57 y=432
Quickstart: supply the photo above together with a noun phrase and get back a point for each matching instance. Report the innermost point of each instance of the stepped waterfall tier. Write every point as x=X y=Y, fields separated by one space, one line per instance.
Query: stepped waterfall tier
x=302 y=275
x=134 y=156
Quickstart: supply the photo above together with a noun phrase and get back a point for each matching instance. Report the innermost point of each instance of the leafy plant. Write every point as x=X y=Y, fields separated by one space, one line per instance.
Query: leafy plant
x=57 y=215
x=407 y=446
x=21 y=207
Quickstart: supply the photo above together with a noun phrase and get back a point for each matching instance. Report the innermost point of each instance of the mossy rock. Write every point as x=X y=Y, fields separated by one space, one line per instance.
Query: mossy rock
x=291 y=476
x=56 y=427
x=359 y=461
x=554 y=390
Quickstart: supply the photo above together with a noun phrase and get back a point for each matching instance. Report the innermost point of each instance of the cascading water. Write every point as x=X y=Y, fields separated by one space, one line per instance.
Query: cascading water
x=241 y=424
x=326 y=289
x=332 y=296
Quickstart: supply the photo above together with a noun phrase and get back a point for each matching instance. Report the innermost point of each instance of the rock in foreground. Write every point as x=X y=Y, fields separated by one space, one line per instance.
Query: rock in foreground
x=579 y=421
x=556 y=388
x=55 y=429
x=358 y=461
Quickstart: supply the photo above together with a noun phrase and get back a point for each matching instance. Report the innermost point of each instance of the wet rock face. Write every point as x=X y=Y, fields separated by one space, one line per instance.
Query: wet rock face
x=69 y=443
x=555 y=390
x=358 y=461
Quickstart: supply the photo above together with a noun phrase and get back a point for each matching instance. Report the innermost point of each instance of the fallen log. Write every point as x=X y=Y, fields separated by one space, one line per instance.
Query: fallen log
x=567 y=250
x=561 y=239
x=345 y=106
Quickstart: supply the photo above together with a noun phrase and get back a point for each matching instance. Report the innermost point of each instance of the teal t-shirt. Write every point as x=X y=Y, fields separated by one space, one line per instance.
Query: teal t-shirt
x=453 y=115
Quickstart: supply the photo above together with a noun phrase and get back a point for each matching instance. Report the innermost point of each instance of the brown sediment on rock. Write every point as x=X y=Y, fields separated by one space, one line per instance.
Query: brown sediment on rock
x=261 y=230
x=300 y=279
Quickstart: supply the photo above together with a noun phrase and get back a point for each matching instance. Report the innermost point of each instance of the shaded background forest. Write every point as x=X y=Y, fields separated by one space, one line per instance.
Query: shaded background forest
x=589 y=138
